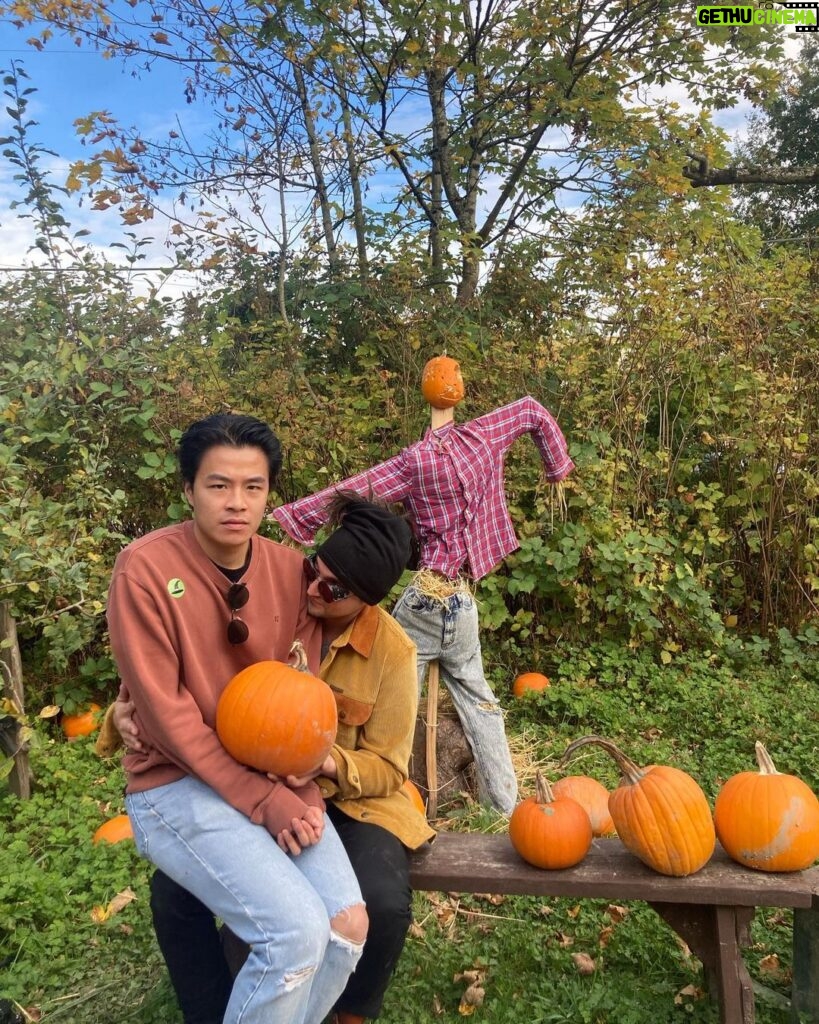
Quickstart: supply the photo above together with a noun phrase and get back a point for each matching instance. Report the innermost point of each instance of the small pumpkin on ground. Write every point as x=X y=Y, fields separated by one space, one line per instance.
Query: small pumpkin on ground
x=114 y=830
x=83 y=723
x=528 y=682
x=441 y=382
x=278 y=718
x=660 y=813
x=414 y=794
x=550 y=831
x=592 y=796
x=767 y=820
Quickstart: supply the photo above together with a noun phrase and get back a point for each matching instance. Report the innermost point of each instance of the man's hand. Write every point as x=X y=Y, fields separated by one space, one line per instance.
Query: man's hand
x=125 y=725
x=306 y=831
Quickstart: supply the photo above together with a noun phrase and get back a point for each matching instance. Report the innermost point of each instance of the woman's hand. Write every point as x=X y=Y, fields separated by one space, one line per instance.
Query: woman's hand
x=305 y=831
x=124 y=723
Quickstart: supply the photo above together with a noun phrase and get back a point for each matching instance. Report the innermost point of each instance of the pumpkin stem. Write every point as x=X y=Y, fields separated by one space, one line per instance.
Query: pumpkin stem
x=298 y=656
x=763 y=759
x=543 y=791
x=632 y=772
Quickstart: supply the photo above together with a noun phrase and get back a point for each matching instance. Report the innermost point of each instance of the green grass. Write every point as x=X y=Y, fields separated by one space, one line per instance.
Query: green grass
x=697 y=714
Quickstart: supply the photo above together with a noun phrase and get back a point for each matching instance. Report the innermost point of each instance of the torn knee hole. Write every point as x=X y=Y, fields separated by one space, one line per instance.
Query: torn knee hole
x=296 y=978
x=351 y=924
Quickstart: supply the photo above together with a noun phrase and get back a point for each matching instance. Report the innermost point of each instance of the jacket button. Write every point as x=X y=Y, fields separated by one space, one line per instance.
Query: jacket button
x=342 y=715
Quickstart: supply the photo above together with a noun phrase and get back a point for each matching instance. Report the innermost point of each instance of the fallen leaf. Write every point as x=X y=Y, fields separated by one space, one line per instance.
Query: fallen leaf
x=575 y=910
x=770 y=966
x=617 y=913
x=605 y=936
x=121 y=900
x=684 y=947
x=564 y=940
x=584 y=963
x=689 y=992
x=471 y=999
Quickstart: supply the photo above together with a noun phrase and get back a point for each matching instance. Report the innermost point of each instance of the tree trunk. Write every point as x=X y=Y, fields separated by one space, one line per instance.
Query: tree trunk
x=354 y=170
x=316 y=160
x=11 y=668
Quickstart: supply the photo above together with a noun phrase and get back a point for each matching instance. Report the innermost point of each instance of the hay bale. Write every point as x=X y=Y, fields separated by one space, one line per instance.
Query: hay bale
x=456 y=776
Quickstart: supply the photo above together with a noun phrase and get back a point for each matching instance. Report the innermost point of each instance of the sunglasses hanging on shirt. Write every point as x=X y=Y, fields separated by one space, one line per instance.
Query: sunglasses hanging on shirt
x=237 y=597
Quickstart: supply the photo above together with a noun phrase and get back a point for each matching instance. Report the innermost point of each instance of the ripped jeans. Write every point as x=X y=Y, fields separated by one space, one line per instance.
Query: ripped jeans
x=448 y=630
x=281 y=906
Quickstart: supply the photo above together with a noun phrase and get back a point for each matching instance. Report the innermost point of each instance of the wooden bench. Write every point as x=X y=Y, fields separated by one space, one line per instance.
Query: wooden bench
x=711 y=910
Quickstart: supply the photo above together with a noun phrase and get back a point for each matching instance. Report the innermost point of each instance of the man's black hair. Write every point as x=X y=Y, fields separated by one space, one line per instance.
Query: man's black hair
x=227 y=428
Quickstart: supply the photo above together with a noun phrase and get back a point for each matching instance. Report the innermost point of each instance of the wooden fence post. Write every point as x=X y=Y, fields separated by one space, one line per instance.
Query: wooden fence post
x=11 y=670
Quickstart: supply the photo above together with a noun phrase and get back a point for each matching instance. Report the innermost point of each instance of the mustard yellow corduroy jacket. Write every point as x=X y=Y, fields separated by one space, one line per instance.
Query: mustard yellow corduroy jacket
x=371 y=669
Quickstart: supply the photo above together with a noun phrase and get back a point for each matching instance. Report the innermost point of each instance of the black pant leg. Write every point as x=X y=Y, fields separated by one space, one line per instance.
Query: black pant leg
x=381 y=864
x=189 y=941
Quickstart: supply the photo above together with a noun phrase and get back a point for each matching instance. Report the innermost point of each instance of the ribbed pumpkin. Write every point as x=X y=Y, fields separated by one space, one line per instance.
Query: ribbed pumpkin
x=414 y=794
x=529 y=681
x=114 y=830
x=766 y=820
x=81 y=724
x=592 y=796
x=441 y=382
x=278 y=718
x=550 y=831
x=660 y=813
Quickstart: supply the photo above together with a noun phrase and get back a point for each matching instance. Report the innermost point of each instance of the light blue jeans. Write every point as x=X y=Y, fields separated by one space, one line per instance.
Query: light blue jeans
x=448 y=630
x=281 y=906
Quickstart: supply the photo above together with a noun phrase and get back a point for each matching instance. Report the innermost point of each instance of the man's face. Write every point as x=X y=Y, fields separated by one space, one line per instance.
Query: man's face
x=228 y=499
x=347 y=608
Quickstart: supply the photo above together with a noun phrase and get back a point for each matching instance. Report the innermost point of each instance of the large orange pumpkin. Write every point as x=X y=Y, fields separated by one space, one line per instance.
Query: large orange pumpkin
x=529 y=681
x=550 y=831
x=114 y=830
x=278 y=718
x=81 y=724
x=441 y=382
x=660 y=813
x=592 y=796
x=767 y=820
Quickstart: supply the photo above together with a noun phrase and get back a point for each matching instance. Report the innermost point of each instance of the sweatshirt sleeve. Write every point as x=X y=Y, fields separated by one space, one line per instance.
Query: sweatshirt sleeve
x=170 y=719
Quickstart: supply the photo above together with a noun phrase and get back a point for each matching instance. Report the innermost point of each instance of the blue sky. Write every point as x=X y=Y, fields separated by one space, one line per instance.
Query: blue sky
x=72 y=82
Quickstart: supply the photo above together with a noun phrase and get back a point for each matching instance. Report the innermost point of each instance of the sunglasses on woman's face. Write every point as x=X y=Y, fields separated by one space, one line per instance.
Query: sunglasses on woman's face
x=237 y=597
x=328 y=591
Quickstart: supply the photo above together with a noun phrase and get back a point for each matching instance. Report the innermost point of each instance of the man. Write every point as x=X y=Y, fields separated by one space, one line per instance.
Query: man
x=369 y=663
x=189 y=606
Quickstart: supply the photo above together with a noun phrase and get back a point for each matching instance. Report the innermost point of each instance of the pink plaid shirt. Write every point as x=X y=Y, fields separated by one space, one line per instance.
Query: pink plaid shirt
x=452 y=484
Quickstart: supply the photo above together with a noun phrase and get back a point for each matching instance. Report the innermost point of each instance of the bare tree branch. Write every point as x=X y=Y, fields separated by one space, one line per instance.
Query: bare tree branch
x=702 y=175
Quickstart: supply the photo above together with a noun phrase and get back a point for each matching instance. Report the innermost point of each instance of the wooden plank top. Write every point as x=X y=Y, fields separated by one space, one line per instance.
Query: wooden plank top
x=479 y=863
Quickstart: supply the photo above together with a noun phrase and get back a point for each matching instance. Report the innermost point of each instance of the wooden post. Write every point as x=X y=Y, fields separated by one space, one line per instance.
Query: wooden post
x=432 y=739
x=11 y=669
x=805 y=987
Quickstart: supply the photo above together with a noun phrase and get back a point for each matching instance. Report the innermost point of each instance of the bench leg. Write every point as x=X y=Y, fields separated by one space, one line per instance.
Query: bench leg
x=715 y=935
x=805 y=989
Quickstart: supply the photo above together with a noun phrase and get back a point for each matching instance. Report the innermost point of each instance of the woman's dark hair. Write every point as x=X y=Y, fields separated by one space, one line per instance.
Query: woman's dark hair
x=227 y=428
